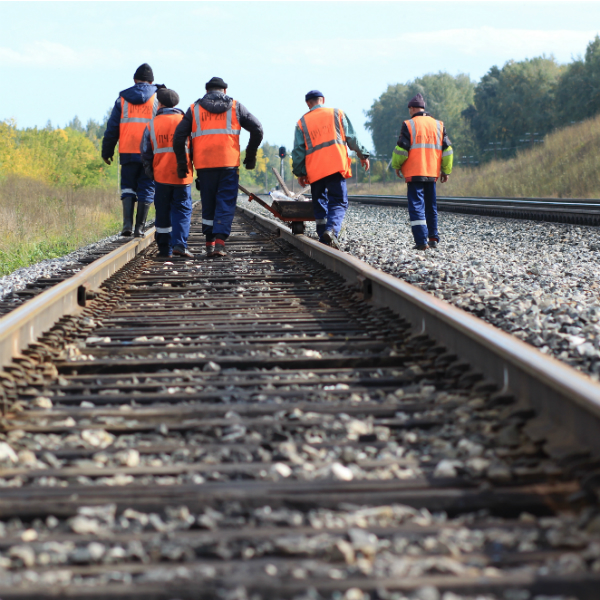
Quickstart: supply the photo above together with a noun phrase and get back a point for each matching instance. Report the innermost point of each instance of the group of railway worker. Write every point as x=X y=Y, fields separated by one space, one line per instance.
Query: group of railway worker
x=160 y=145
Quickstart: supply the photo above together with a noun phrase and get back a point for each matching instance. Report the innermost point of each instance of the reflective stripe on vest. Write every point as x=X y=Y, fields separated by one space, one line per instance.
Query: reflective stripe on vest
x=338 y=134
x=164 y=163
x=125 y=112
x=330 y=155
x=227 y=131
x=425 y=153
x=155 y=146
x=131 y=129
x=216 y=147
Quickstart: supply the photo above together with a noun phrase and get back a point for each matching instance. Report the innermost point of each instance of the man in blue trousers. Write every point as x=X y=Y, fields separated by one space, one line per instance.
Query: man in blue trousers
x=320 y=158
x=173 y=199
x=214 y=123
x=133 y=110
x=423 y=152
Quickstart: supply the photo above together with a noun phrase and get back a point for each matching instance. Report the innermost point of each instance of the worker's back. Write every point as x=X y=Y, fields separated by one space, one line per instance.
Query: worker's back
x=425 y=153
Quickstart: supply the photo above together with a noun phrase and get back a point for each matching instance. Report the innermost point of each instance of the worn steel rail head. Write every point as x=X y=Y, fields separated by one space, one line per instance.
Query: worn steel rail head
x=568 y=400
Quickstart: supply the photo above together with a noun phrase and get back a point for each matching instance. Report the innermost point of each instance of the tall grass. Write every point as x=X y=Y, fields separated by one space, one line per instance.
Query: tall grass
x=39 y=221
x=566 y=165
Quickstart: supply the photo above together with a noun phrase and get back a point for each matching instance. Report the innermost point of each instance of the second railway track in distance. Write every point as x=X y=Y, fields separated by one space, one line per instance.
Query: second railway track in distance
x=259 y=426
x=577 y=211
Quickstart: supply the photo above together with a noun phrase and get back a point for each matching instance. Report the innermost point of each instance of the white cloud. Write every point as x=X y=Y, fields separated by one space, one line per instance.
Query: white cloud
x=495 y=45
x=52 y=54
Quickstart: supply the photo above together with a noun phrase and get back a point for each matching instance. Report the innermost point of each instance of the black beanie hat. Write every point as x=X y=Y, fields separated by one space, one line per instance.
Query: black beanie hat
x=418 y=101
x=168 y=98
x=216 y=82
x=144 y=73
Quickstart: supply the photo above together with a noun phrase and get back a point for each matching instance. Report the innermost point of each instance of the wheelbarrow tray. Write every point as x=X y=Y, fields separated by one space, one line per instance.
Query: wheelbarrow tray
x=289 y=210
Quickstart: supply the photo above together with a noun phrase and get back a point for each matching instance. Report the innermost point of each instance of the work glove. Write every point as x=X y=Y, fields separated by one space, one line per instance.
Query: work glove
x=107 y=159
x=149 y=171
x=250 y=160
x=198 y=184
x=182 y=171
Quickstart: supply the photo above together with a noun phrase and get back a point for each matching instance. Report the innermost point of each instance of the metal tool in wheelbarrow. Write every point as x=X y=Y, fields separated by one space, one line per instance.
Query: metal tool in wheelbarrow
x=288 y=211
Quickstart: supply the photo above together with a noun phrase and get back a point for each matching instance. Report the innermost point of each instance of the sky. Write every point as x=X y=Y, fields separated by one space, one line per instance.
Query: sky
x=61 y=59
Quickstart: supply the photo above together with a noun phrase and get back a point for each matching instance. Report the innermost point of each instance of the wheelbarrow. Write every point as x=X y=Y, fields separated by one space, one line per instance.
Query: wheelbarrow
x=294 y=212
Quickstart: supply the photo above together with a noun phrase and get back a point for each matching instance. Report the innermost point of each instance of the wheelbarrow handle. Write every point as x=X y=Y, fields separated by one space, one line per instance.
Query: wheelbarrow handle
x=254 y=197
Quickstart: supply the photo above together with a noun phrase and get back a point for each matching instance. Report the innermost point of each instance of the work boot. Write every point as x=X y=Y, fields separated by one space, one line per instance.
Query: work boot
x=140 y=219
x=219 y=248
x=128 y=210
x=181 y=251
x=328 y=238
x=433 y=243
x=210 y=249
x=421 y=247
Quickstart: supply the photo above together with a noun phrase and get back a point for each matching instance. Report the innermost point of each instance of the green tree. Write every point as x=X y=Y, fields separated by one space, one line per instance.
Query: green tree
x=446 y=96
x=578 y=89
x=512 y=104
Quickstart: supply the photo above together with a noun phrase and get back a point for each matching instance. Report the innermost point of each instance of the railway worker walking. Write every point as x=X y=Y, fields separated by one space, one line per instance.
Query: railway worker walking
x=214 y=124
x=320 y=158
x=423 y=150
x=132 y=111
x=173 y=198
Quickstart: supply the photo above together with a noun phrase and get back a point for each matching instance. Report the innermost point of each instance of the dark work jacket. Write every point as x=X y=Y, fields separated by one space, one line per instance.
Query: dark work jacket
x=404 y=142
x=138 y=94
x=217 y=102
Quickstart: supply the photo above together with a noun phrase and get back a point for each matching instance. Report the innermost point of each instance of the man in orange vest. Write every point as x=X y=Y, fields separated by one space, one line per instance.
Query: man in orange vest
x=214 y=124
x=132 y=112
x=173 y=198
x=320 y=158
x=423 y=151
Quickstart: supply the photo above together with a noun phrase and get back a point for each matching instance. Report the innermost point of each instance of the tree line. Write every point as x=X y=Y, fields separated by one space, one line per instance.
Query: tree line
x=511 y=107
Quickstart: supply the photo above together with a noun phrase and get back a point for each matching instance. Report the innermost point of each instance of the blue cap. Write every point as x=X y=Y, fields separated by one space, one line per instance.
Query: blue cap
x=313 y=94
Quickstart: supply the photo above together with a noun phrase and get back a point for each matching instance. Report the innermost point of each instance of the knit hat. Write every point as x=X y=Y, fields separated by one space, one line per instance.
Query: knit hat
x=168 y=98
x=216 y=82
x=418 y=101
x=144 y=73
x=313 y=94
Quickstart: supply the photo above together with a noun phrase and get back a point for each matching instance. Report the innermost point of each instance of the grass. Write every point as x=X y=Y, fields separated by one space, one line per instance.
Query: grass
x=38 y=221
x=566 y=165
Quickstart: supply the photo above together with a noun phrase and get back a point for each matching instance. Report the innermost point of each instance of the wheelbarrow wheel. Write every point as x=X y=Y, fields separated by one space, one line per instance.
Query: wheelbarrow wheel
x=297 y=227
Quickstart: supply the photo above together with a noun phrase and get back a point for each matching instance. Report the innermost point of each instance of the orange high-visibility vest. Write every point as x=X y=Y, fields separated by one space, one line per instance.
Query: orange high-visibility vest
x=325 y=140
x=425 y=154
x=215 y=138
x=162 y=129
x=134 y=119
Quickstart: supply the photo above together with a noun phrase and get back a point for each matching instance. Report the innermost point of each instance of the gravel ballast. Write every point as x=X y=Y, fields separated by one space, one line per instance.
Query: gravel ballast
x=536 y=280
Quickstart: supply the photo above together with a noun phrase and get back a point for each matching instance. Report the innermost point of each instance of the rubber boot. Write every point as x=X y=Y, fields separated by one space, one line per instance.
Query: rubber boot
x=140 y=219
x=128 y=210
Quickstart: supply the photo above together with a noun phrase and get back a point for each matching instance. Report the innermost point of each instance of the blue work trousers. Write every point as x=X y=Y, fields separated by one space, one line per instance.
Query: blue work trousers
x=330 y=202
x=422 y=209
x=218 y=192
x=135 y=183
x=173 y=205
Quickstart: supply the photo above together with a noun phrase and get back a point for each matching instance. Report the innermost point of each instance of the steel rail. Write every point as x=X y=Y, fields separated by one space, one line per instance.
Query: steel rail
x=25 y=324
x=578 y=211
x=568 y=400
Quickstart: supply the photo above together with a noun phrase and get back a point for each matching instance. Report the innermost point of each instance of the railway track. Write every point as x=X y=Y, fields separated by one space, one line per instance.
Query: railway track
x=559 y=210
x=286 y=422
